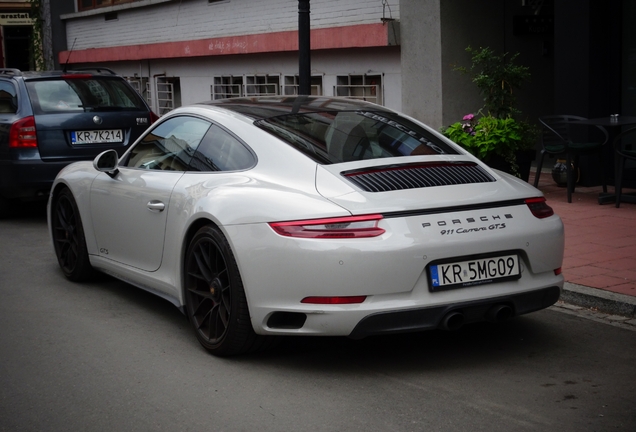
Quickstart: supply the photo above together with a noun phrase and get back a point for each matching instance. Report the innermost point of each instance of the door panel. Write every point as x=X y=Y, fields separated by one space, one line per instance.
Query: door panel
x=129 y=215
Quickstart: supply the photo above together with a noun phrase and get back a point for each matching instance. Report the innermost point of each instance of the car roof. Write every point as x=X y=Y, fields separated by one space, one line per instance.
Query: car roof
x=263 y=107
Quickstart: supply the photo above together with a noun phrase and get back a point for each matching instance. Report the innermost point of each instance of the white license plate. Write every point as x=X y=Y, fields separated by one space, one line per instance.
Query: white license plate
x=97 y=136
x=474 y=272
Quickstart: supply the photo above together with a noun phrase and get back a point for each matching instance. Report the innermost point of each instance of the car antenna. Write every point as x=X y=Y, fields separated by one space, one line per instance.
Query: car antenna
x=69 y=56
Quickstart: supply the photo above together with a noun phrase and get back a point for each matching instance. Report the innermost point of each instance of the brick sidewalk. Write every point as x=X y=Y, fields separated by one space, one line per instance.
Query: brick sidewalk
x=600 y=240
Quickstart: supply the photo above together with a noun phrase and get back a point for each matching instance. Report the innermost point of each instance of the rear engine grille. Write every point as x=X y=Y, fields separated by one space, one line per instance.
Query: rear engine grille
x=399 y=177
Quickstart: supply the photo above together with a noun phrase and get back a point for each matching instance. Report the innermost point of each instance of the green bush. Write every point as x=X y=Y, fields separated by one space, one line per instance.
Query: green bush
x=487 y=136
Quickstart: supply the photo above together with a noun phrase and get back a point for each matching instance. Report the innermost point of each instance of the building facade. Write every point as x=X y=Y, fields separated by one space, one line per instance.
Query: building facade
x=399 y=53
x=179 y=53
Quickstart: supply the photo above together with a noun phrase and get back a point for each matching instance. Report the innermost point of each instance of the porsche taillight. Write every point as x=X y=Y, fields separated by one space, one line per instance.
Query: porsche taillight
x=22 y=133
x=331 y=228
x=539 y=208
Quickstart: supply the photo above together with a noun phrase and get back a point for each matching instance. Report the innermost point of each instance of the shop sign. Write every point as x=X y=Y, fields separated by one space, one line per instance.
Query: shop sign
x=15 y=18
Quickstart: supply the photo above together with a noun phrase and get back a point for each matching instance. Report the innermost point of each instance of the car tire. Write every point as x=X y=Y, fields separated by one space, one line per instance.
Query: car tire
x=68 y=237
x=215 y=299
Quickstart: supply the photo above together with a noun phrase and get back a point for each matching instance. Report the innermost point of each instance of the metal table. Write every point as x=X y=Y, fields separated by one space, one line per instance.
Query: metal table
x=612 y=124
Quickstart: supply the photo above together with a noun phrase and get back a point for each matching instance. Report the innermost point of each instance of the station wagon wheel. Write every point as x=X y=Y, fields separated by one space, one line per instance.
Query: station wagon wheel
x=215 y=299
x=68 y=237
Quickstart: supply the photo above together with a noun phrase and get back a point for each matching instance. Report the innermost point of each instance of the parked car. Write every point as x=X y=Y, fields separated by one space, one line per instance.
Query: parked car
x=261 y=217
x=50 y=119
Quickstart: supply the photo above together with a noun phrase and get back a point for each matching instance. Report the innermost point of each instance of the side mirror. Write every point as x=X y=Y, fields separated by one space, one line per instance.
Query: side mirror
x=107 y=162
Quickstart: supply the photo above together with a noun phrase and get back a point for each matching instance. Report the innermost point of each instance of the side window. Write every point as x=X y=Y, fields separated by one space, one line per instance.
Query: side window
x=8 y=98
x=170 y=145
x=221 y=151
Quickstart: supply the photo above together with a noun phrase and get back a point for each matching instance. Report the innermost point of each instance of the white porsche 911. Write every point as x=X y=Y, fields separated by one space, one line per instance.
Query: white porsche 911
x=308 y=216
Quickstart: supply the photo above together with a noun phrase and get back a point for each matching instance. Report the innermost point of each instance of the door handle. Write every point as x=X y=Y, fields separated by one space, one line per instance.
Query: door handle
x=157 y=206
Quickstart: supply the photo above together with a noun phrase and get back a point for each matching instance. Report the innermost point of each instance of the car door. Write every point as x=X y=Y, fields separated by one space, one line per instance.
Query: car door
x=129 y=209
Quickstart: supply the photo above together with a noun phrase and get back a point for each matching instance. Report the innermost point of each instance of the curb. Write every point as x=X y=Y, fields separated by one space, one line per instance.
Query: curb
x=600 y=300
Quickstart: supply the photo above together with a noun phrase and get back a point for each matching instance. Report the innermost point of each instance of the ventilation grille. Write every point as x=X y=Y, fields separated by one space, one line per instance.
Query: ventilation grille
x=399 y=177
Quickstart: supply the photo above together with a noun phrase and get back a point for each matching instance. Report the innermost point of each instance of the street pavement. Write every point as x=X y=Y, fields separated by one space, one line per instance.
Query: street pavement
x=104 y=356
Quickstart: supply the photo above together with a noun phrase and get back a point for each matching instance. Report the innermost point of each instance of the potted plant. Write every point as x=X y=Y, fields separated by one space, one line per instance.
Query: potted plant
x=495 y=134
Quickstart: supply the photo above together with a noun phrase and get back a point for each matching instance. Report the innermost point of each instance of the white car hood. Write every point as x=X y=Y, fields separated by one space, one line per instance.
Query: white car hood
x=332 y=185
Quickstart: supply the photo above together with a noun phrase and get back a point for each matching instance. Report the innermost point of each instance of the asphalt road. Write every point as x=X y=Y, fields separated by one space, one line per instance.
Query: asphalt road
x=107 y=356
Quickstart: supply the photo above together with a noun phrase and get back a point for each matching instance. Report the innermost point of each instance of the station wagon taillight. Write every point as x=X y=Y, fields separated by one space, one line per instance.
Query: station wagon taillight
x=22 y=133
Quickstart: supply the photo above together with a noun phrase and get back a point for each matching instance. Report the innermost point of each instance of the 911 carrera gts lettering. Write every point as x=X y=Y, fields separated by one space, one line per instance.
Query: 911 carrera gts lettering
x=471 y=230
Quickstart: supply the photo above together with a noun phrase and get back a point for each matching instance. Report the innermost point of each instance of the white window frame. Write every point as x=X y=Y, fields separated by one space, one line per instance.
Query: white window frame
x=226 y=87
x=363 y=87
x=141 y=86
x=291 y=83
x=164 y=94
x=253 y=85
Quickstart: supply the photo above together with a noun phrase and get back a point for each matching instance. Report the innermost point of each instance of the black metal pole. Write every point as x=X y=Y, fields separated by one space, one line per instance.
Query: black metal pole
x=304 y=48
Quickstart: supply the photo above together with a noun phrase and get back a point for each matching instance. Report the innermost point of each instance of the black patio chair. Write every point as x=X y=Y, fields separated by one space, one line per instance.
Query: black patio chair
x=625 y=149
x=556 y=139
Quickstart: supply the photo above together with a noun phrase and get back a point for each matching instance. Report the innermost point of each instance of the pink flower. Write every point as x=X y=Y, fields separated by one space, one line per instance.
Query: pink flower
x=468 y=117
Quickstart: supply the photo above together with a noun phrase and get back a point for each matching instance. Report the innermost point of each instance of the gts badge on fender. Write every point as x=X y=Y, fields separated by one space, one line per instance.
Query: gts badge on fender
x=470 y=225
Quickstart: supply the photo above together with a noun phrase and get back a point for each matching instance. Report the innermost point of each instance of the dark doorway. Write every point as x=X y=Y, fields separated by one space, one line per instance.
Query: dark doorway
x=17 y=46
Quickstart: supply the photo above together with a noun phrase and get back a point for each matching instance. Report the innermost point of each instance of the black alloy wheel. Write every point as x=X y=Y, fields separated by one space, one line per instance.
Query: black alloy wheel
x=215 y=300
x=68 y=237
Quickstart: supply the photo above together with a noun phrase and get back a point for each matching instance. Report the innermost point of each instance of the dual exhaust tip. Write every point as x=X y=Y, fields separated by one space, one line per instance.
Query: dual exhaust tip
x=454 y=320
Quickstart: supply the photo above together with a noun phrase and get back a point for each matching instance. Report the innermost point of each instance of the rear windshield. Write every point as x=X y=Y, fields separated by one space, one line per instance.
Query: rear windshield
x=343 y=136
x=83 y=94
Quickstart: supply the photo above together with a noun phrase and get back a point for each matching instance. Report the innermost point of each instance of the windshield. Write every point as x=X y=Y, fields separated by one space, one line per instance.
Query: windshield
x=83 y=94
x=342 y=136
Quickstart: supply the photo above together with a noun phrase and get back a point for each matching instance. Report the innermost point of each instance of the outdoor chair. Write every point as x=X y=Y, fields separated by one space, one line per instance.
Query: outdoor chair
x=557 y=139
x=625 y=149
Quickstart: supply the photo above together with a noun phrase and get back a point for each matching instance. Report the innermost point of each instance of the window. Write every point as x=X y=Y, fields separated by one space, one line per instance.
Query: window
x=169 y=146
x=83 y=94
x=262 y=85
x=291 y=83
x=221 y=151
x=141 y=86
x=167 y=94
x=93 y=4
x=232 y=86
x=341 y=136
x=225 y=87
x=8 y=98
x=363 y=87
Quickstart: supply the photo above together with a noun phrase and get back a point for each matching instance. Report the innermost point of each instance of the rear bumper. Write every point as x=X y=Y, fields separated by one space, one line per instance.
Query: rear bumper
x=28 y=179
x=472 y=311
